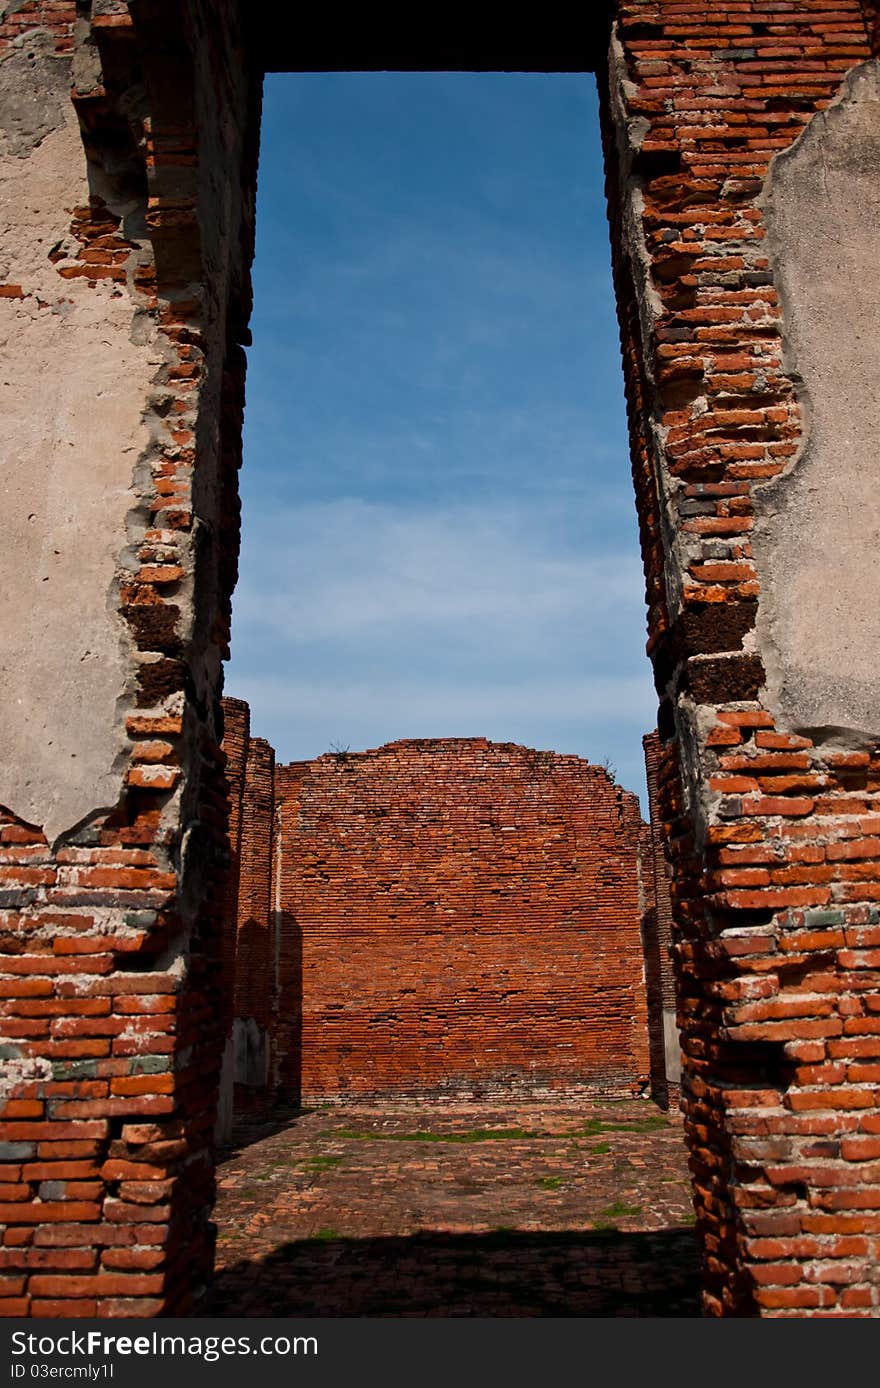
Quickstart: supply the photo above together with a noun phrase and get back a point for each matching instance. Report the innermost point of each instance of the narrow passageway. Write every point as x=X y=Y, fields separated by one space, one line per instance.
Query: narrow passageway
x=578 y=1208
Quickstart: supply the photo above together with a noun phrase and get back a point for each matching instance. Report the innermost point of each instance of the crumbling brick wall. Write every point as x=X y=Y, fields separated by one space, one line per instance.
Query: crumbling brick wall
x=255 y=981
x=125 y=294
x=458 y=916
x=249 y=936
x=741 y=145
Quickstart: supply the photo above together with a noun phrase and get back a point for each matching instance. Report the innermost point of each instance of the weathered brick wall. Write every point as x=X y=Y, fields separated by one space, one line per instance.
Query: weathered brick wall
x=54 y=17
x=772 y=825
x=458 y=916
x=236 y=741
x=109 y=1015
x=236 y=749
x=651 y=951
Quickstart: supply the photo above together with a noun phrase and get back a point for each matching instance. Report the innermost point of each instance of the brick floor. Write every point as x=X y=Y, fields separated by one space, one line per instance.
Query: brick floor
x=530 y=1209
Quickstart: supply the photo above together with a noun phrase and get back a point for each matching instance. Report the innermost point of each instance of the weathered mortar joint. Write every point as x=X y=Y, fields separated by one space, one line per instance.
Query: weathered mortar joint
x=19 y=1069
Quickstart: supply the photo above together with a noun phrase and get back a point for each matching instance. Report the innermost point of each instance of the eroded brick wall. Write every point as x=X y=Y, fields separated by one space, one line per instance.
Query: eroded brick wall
x=458 y=916
x=129 y=276
x=771 y=823
x=249 y=937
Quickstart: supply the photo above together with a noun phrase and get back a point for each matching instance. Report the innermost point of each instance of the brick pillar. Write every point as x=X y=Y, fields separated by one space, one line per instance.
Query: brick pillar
x=662 y=946
x=128 y=286
x=741 y=147
x=255 y=971
x=651 y=952
x=236 y=744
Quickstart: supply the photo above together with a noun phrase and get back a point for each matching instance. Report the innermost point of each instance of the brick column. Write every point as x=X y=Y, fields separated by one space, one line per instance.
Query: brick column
x=768 y=769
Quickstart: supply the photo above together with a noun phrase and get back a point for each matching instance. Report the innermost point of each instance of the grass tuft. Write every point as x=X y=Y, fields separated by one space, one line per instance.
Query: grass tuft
x=617 y=1210
x=473 y=1135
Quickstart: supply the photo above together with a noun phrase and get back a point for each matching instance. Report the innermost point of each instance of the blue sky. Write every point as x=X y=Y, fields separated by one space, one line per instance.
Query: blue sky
x=439 y=529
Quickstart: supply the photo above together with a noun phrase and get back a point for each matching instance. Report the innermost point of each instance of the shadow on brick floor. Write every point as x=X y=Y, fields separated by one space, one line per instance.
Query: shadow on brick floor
x=502 y=1273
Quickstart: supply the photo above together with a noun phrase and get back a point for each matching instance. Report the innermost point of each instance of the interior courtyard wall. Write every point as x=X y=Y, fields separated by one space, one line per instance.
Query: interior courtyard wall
x=451 y=918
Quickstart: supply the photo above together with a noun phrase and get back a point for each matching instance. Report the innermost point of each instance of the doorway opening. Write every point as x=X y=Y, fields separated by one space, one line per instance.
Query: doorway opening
x=438 y=684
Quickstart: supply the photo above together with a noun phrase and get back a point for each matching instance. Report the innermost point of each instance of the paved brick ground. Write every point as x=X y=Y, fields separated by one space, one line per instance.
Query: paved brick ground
x=563 y=1209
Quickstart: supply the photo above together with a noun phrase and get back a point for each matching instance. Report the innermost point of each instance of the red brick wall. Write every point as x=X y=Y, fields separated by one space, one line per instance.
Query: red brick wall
x=249 y=936
x=651 y=951
x=236 y=742
x=459 y=916
x=56 y=17
x=658 y=941
x=109 y=1001
x=773 y=837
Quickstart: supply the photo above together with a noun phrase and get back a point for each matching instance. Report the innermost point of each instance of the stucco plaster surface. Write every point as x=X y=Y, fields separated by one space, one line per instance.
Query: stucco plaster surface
x=34 y=92
x=73 y=391
x=818 y=528
x=671 y=1046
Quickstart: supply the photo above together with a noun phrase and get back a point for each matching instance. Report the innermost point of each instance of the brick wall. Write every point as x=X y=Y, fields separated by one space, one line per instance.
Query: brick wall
x=109 y=1001
x=772 y=831
x=458 y=916
x=255 y=983
x=236 y=745
x=651 y=950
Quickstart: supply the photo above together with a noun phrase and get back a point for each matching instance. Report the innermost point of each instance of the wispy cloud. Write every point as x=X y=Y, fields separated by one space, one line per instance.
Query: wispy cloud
x=348 y=569
x=409 y=708
x=364 y=623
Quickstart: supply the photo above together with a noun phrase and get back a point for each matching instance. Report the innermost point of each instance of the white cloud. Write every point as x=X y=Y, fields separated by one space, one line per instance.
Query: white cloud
x=442 y=711
x=501 y=621
x=346 y=569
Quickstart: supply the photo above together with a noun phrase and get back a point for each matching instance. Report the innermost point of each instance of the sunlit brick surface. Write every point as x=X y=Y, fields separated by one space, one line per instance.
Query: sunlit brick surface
x=464 y=916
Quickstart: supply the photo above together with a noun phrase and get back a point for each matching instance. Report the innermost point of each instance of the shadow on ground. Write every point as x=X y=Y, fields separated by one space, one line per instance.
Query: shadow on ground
x=262 y=1121
x=503 y=1273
